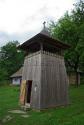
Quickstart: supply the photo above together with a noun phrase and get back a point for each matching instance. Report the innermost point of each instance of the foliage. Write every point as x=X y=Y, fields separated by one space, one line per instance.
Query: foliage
x=72 y=114
x=70 y=29
x=11 y=60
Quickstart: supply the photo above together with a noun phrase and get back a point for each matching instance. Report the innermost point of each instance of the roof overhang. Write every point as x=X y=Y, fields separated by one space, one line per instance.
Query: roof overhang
x=45 y=39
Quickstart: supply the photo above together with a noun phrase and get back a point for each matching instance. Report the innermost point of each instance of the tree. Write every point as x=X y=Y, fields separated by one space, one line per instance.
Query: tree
x=3 y=74
x=11 y=60
x=70 y=29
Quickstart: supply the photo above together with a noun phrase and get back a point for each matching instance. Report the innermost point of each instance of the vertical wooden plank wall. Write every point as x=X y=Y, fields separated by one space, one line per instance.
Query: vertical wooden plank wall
x=49 y=79
x=32 y=71
x=54 y=82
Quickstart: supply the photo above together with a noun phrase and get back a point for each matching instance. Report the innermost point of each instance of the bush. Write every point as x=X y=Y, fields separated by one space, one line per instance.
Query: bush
x=82 y=79
x=5 y=82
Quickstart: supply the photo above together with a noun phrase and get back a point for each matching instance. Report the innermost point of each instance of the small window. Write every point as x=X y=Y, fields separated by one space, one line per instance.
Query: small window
x=15 y=79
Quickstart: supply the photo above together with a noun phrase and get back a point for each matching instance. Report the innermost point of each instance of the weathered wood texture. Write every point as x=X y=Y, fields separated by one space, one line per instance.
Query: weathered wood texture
x=54 y=83
x=49 y=79
x=32 y=71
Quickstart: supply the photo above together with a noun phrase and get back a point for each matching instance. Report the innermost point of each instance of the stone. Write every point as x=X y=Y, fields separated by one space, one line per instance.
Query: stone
x=17 y=111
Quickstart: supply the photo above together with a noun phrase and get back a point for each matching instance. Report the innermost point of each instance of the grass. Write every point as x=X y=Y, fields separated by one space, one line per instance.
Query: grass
x=73 y=114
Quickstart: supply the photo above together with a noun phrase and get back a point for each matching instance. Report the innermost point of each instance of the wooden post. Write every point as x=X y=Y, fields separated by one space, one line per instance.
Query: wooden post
x=41 y=46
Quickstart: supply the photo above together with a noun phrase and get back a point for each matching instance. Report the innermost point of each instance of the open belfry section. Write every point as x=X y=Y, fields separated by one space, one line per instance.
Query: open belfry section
x=44 y=78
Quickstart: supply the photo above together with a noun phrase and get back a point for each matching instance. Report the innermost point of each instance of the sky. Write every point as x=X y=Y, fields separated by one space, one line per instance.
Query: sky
x=22 y=19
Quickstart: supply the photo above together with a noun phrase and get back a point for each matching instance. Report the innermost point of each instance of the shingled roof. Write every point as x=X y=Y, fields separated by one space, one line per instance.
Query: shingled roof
x=18 y=73
x=44 y=36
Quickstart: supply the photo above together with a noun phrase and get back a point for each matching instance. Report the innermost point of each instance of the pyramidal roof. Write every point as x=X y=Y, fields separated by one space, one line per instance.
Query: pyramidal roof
x=44 y=35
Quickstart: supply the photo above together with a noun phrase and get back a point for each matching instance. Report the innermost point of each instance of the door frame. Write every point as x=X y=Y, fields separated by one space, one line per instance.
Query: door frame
x=28 y=82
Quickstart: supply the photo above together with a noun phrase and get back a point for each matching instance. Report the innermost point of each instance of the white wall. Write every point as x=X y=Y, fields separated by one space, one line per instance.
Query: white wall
x=16 y=81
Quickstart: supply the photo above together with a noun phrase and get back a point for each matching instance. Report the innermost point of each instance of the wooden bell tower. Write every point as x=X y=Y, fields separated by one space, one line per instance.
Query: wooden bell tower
x=44 y=72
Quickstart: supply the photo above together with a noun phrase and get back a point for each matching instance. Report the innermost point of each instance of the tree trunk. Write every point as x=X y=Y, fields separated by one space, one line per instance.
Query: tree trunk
x=77 y=79
x=76 y=70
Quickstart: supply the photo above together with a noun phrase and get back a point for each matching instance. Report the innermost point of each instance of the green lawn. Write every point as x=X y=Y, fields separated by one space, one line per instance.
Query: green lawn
x=71 y=115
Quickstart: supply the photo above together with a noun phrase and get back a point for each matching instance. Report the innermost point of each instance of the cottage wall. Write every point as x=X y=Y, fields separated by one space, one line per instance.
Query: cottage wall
x=72 y=78
x=16 y=81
